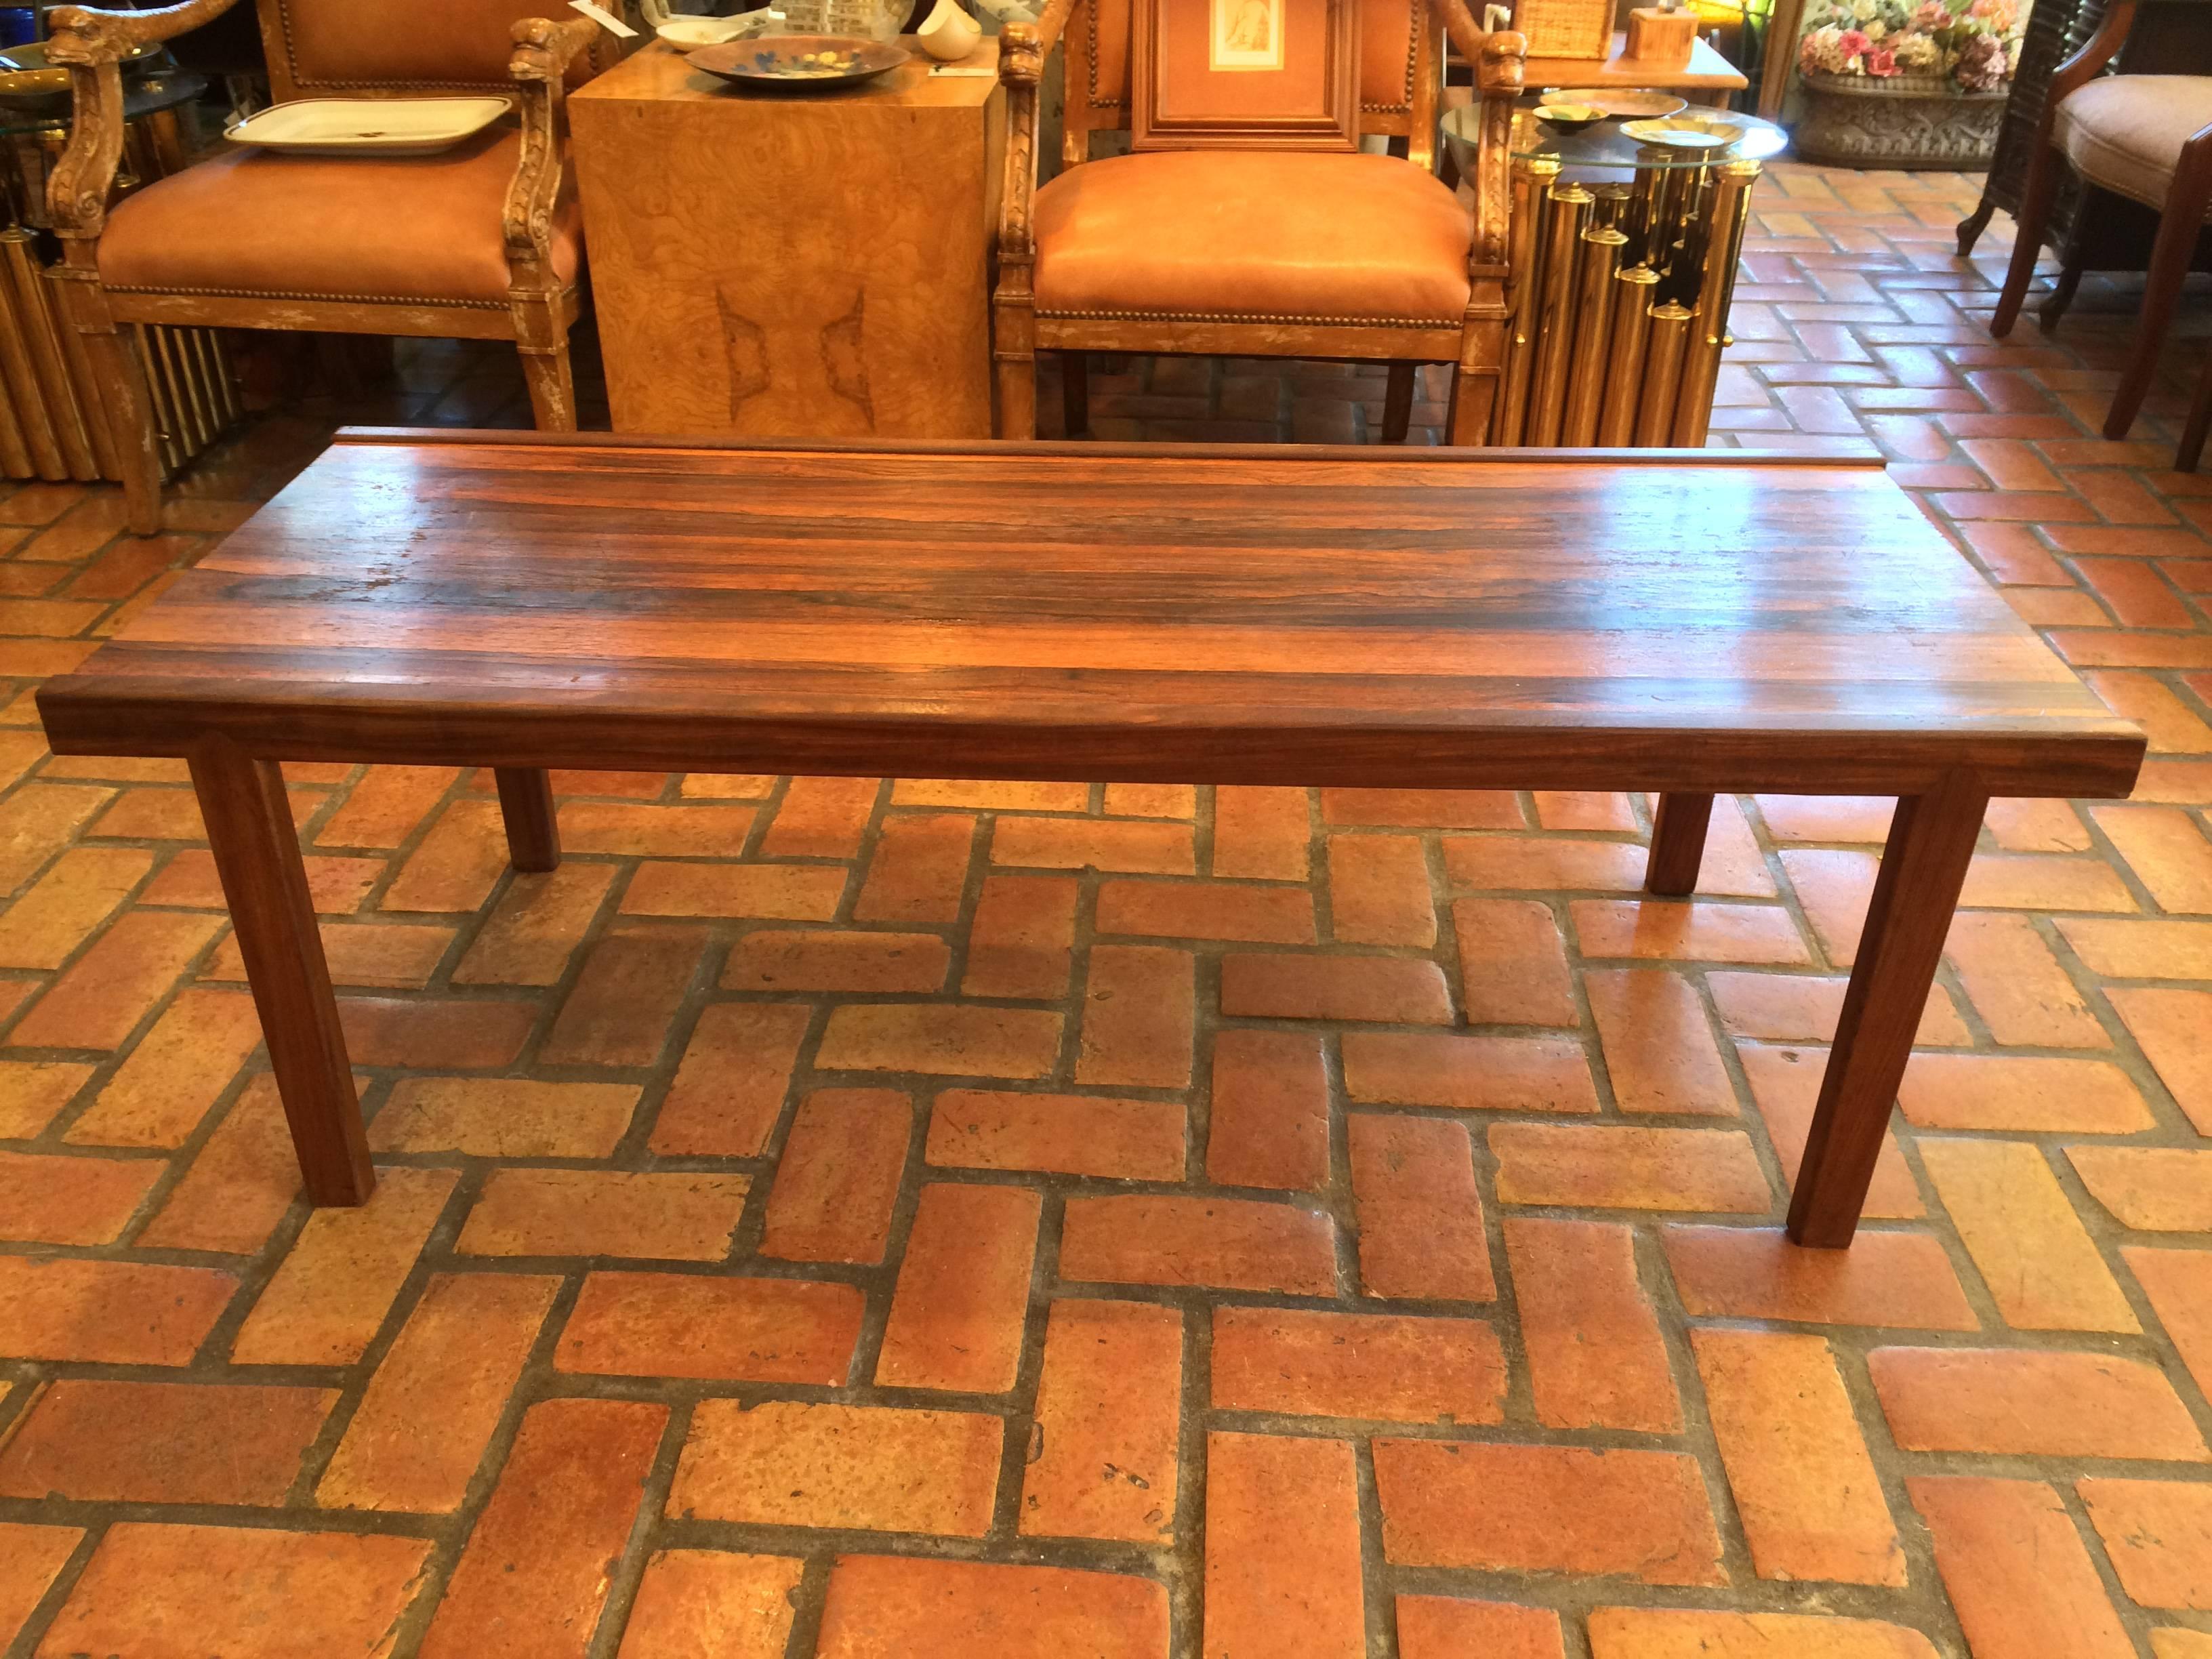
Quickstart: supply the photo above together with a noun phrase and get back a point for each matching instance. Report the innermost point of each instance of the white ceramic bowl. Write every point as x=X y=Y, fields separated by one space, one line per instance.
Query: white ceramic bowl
x=690 y=33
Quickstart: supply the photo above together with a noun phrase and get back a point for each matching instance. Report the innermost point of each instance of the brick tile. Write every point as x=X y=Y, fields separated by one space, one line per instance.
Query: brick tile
x=1648 y=928
x=2043 y=1271
x=1209 y=909
x=2032 y=1093
x=1282 y=1548
x=1138 y=1011
x=1261 y=835
x=383 y=809
x=1151 y=800
x=742 y=1330
x=2151 y=1189
x=2018 y=1576
x=2031 y=882
x=976 y=795
x=1064 y=1135
x=774 y=892
x=2169 y=1027
x=838 y=1178
x=97 y=1441
x=1421 y=1233
x=1375 y=1367
x=919 y=870
x=1267 y=1114
x=456 y=865
x=243 y=1592
x=119 y=1313
x=2138 y=595
x=1835 y=889
x=804 y=960
x=1540 y=863
x=1446 y=1627
x=1139 y=848
x=2019 y=825
x=618 y=1011
x=33 y=1092
x=503 y=1117
x=1107 y=1411
x=1379 y=892
x=1547 y=1509
x=2110 y=648
x=470 y=1034
x=654 y=831
x=957 y=1313
x=534 y=1576
x=1391 y=989
x=1236 y=1243
x=100 y=998
x=1806 y=1488
x=2158 y=1535
x=79 y=891
x=1684 y=1633
x=2032 y=1402
x=1557 y=809
x=1587 y=1165
x=941 y=1039
x=729 y=1089
x=2179 y=1286
x=36 y=822
x=2016 y=985
x=785 y=1462
x=1902 y=1279
x=2010 y=463
x=2173 y=728
x=1422 y=809
x=539 y=922
x=820 y=818
x=31 y=1559
x=667 y=1217
x=1020 y=944
x=388 y=956
x=438 y=1394
x=1513 y=964
x=694 y=1602
x=1659 y=1046
x=238 y=1187
x=1474 y=1073
x=1785 y=1085
x=922 y=1608
x=2180 y=1644
x=1596 y=1359
x=335 y=1287
x=70 y=1200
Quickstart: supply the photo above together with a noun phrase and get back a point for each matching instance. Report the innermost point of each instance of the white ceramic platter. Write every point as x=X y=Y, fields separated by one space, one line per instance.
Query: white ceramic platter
x=361 y=127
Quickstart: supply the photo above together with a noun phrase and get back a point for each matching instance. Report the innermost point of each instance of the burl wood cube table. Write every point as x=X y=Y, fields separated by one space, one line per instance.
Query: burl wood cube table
x=807 y=265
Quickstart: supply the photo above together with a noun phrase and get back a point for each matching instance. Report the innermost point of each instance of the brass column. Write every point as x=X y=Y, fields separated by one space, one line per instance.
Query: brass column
x=1623 y=369
x=1594 y=293
x=1662 y=373
x=1547 y=397
x=1533 y=177
x=1730 y=213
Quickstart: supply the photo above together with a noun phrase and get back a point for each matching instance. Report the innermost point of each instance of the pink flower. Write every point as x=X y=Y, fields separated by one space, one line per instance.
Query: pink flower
x=1932 y=15
x=1852 y=43
x=1880 y=60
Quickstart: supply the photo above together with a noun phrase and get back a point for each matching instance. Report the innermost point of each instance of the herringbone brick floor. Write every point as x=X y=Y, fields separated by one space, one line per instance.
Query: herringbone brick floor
x=882 y=1219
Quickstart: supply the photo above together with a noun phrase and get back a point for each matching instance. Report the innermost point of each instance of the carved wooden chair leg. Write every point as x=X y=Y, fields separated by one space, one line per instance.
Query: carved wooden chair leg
x=2179 y=224
x=1473 y=390
x=1398 y=403
x=1971 y=226
x=2062 y=294
x=129 y=411
x=1017 y=378
x=2042 y=189
x=1075 y=393
x=552 y=386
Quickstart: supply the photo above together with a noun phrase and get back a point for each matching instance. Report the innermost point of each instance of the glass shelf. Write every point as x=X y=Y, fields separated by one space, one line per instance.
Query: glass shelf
x=1606 y=146
x=150 y=95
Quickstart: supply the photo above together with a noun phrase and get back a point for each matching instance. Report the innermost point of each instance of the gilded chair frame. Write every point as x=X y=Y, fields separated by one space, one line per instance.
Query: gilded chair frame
x=1473 y=343
x=539 y=310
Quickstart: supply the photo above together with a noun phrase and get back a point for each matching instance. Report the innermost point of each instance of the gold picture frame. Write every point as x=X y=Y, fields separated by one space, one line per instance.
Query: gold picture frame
x=1244 y=73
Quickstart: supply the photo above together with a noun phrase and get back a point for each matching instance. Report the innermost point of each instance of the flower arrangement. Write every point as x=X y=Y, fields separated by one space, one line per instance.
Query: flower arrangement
x=1974 y=43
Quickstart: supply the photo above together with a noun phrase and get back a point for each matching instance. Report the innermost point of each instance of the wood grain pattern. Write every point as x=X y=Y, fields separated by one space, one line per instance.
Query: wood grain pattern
x=810 y=266
x=1226 y=616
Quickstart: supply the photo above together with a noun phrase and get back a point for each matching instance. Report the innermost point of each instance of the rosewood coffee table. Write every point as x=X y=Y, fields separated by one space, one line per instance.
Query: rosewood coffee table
x=1679 y=622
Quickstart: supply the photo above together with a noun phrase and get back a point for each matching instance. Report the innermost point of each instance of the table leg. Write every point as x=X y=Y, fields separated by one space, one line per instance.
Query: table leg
x=1677 y=843
x=1923 y=868
x=526 y=802
x=257 y=854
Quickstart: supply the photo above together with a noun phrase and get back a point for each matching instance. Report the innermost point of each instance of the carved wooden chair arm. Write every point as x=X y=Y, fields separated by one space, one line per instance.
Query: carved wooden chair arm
x=90 y=45
x=1023 y=49
x=1500 y=62
x=2086 y=64
x=544 y=49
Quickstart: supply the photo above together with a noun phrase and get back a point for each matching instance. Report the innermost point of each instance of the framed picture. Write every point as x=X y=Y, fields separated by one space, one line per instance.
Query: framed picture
x=1244 y=73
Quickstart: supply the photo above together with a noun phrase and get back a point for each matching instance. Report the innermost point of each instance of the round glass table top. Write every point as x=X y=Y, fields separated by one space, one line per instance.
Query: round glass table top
x=149 y=95
x=1694 y=138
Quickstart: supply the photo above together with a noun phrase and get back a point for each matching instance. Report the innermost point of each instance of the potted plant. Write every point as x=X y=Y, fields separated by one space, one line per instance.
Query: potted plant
x=1906 y=83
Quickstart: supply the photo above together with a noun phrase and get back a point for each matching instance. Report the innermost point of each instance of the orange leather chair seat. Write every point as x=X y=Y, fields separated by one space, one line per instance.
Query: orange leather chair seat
x=399 y=227
x=1253 y=234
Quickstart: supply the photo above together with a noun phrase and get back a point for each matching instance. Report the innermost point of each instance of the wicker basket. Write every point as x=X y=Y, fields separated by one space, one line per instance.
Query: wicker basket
x=1565 y=28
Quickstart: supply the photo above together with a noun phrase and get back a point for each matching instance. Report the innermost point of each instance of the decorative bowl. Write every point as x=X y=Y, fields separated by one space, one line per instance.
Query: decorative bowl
x=1568 y=118
x=799 y=63
x=1685 y=132
x=690 y=33
x=1615 y=100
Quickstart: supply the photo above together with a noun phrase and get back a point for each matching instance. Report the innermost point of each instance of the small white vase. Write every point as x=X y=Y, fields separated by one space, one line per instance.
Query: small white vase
x=949 y=33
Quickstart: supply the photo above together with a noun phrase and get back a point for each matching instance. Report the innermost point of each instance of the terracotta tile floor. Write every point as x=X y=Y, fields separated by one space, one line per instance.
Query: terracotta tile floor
x=912 y=1218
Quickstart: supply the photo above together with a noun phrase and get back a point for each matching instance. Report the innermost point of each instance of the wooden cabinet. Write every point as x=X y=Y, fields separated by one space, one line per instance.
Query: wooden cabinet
x=811 y=265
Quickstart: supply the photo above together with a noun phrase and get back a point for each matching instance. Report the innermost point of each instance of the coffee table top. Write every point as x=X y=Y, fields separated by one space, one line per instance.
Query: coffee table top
x=1474 y=619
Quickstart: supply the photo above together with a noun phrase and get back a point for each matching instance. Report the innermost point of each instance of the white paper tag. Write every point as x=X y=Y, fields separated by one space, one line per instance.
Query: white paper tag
x=981 y=71
x=605 y=19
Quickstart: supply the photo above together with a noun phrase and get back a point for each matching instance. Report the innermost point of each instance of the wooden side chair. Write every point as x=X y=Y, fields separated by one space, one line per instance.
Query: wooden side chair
x=482 y=241
x=1256 y=253
x=2145 y=137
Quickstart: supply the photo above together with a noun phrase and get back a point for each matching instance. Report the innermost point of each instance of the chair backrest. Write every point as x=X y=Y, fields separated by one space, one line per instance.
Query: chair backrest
x=1400 y=73
x=378 y=48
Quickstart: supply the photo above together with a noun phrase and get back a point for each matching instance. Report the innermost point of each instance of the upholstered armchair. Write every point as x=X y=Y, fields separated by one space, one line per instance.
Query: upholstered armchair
x=2145 y=137
x=1253 y=252
x=482 y=241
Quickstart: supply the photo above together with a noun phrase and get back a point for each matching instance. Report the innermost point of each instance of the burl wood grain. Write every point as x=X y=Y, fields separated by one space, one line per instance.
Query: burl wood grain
x=811 y=265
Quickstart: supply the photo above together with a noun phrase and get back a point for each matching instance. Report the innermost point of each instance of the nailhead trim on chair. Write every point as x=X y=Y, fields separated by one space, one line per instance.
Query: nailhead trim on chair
x=336 y=299
x=1259 y=317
